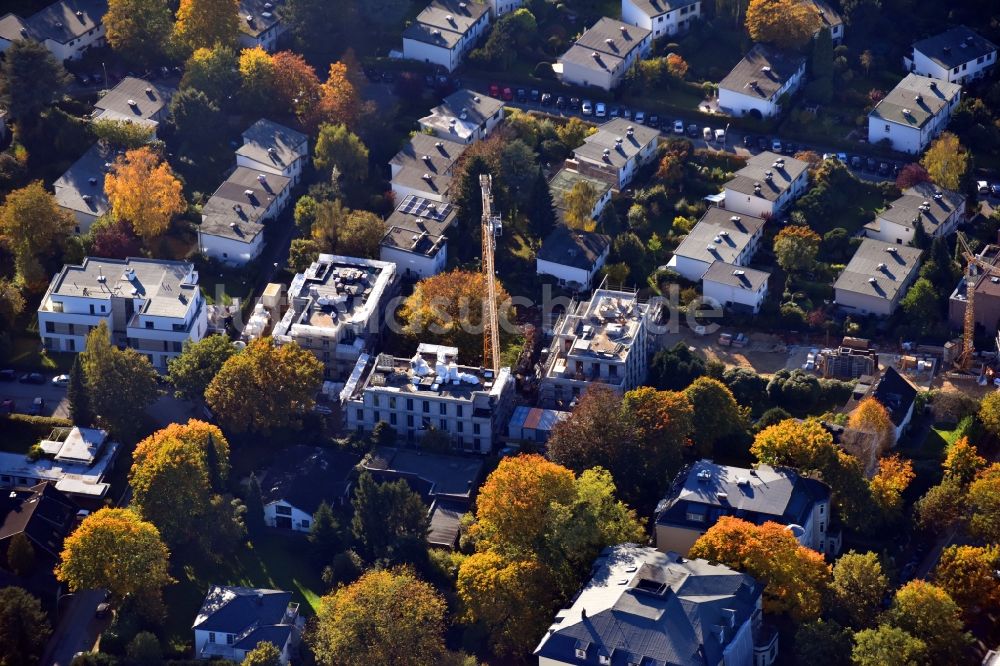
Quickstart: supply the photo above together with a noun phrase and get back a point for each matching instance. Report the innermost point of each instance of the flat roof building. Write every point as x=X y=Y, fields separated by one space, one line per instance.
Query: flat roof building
x=74 y=460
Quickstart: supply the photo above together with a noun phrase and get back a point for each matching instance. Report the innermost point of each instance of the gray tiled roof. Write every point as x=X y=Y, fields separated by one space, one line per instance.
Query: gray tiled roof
x=13 y=28
x=736 y=276
x=658 y=7
x=445 y=22
x=955 y=47
x=613 y=37
x=66 y=20
x=896 y=268
x=468 y=105
x=634 y=137
x=416 y=216
x=783 y=170
x=149 y=98
x=71 y=187
x=440 y=154
x=231 y=205
x=581 y=55
x=570 y=247
x=733 y=236
x=287 y=144
x=941 y=204
x=431 y=474
x=916 y=100
x=827 y=14
x=233 y=609
x=306 y=476
x=762 y=72
x=644 y=606
x=266 y=14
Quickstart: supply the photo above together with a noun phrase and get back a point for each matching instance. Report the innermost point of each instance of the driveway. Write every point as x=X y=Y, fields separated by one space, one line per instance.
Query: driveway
x=23 y=395
x=77 y=630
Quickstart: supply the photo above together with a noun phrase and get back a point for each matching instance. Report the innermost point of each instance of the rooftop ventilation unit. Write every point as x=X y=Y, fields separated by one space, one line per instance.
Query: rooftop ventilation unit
x=439 y=145
x=450 y=18
x=618 y=141
x=131 y=102
x=249 y=18
x=742 y=480
x=918 y=98
x=149 y=90
x=739 y=273
x=881 y=267
x=266 y=15
x=87 y=198
x=891 y=249
x=716 y=240
x=735 y=219
x=594 y=55
x=271 y=151
x=872 y=280
x=705 y=475
x=721 y=496
x=248 y=193
x=427 y=176
x=609 y=41
x=79 y=14
x=723 y=233
x=766 y=69
x=232 y=225
x=938 y=196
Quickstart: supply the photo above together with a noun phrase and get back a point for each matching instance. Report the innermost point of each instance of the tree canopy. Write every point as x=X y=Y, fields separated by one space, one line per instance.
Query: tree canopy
x=138 y=29
x=787 y=24
x=858 y=586
x=30 y=79
x=198 y=364
x=143 y=190
x=30 y=221
x=928 y=613
x=205 y=23
x=24 y=627
x=796 y=248
x=946 y=161
x=390 y=521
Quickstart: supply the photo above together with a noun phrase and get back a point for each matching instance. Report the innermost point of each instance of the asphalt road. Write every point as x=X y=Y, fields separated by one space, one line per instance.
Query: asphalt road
x=23 y=395
x=77 y=629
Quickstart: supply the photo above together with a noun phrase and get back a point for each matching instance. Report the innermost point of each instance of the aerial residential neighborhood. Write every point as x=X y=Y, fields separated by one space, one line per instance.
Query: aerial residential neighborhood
x=499 y=332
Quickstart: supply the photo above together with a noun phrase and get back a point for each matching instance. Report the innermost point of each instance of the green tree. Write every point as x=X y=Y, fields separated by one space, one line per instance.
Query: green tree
x=578 y=204
x=205 y=23
x=921 y=304
x=255 y=508
x=749 y=388
x=390 y=520
x=796 y=247
x=24 y=627
x=30 y=79
x=518 y=171
x=214 y=71
x=197 y=365
x=265 y=654
x=30 y=221
x=930 y=614
x=716 y=414
x=78 y=397
x=121 y=134
x=941 y=507
x=324 y=535
x=192 y=114
x=541 y=208
x=21 y=555
x=858 y=586
x=822 y=55
x=305 y=214
x=302 y=253
x=676 y=368
x=823 y=643
x=265 y=387
x=144 y=649
x=887 y=646
x=315 y=28
x=984 y=498
x=341 y=154
x=138 y=29
x=989 y=413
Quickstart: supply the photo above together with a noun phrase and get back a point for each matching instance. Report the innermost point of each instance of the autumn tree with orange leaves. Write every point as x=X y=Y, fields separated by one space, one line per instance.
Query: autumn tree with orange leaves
x=968 y=575
x=796 y=577
x=893 y=477
x=143 y=191
x=297 y=87
x=871 y=416
x=339 y=101
x=963 y=461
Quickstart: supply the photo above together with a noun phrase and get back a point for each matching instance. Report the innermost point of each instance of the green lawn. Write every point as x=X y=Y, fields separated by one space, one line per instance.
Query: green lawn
x=277 y=562
x=27 y=353
x=223 y=287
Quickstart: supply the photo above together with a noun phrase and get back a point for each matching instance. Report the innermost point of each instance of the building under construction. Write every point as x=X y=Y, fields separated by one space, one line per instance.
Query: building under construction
x=851 y=360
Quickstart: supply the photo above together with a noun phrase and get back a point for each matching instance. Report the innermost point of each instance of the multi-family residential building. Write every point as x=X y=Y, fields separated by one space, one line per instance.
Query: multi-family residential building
x=135 y=100
x=877 y=277
x=501 y=7
x=445 y=31
x=987 y=296
x=39 y=513
x=766 y=185
x=604 y=53
x=913 y=113
x=758 y=81
x=415 y=241
x=274 y=148
x=67 y=28
x=234 y=620
x=705 y=491
x=615 y=152
x=735 y=287
x=958 y=55
x=829 y=19
x=233 y=219
x=720 y=235
x=150 y=305
x=566 y=179
x=261 y=24
x=424 y=167
x=573 y=256
x=294 y=487
x=464 y=116
x=604 y=340
x=661 y=17
x=80 y=191
x=938 y=211
x=642 y=607
x=335 y=310
x=429 y=392
x=74 y=460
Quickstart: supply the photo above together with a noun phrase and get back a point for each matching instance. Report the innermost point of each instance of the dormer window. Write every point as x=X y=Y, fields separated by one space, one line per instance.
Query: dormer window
x=604 y=659
x=581 y=653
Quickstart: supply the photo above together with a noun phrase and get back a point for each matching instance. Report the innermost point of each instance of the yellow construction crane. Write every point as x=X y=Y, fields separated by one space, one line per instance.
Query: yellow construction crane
x=491 y=229
x=973 y=266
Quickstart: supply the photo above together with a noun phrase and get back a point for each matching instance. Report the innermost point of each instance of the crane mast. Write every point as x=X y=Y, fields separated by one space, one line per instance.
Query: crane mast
x=973 y=266
x=491 y=228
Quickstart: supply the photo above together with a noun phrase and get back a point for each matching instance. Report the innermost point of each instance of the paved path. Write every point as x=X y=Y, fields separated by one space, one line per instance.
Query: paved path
x=77 y=630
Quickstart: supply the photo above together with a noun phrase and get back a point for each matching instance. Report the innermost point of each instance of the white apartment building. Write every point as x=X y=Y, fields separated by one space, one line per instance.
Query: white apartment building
x=335 y=310
x=661 y=17
x=958 y=55
x=429 y=392
x=938 y=211
x=415 y=240
x=876 y=278
x=766 y=185
x=445 y=31
x=914 y=113
x=718 y=236
x=758 y=81
x=273 y=148
x=260 y=24
x=604 y=53
x=233 y=219
x=66 y=28
x=604 y=340
x=735 y=287
x=424 y=168
x=464 y=116
x=615 y=152
x=150 y=305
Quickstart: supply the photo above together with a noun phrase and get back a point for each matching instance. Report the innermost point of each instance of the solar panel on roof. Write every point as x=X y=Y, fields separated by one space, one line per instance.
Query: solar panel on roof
x=420 y=207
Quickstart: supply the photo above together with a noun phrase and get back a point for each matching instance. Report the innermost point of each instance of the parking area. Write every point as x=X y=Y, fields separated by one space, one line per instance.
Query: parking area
x=23 y=396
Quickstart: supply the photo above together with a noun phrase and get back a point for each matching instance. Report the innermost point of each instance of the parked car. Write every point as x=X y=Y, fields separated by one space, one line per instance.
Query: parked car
x=535 y=95
x=60 y=380
x=587 y=108
x=871 y=164
x=37 y=406
x=982 y=187
x=560 y=102
x=7 y=375
x=600 y=110
x=855 y=162
x=790 y=148
x=776 y=145
x=842 y=157
x=522 y=95
x=574 y=103
x=546 y=99
x=508 y=95
x=678 y=127
x=693 y=131
x=627 y=113
x=720 y=135
x=32 y=378
x=615 y=111
x=706 y=133
x=653 y=121
x=640 y=117
x=494 y=90
x=749 y=141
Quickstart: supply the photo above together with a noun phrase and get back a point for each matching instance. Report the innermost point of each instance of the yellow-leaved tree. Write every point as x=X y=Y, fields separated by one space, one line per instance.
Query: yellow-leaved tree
x=871 y=416
x=946 y=161
x=30 y=220
x=205 y=23
x=143 y=190
x=788 y=24
x=887 y=486
x=579 y=205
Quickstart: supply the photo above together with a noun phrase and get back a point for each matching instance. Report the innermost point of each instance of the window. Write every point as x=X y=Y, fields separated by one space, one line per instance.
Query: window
x=475 y=428
x=887 y=127
x=149 y=324
x=361 y=415
x=460 y=426
x=211 y=637
x=230 y=639
x=305 y=524
x=822 y=508
x=442 y=424
x=378 y=417
x=409 y=404
x=980 y=60
x=102 y=308
x=50 y=327
x=695 y=516
x=442 y=408
x=427 y=406
x=409 y=420
x=392 y=418
x=91 y=308
x=458 y=411
x=822 y=527
x=71 y=345
x=282 y=510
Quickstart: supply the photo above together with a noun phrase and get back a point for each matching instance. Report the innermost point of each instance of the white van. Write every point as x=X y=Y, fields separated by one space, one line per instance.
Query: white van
x=720 y=135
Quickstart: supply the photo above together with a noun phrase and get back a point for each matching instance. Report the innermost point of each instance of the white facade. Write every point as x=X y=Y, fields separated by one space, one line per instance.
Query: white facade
x=906 y=138
x=644 y=14
x=725 y=292
x=284 y=515
x=739 y=103
x=274 y=148
x=415 y=263
x=913 y=114
x=748 y=204
x=604 y=54
x=967 y=71
x=214 y=644
x=501 y=7
x=445 y=31
x=571 y=274
x=230 y=251
x=958 y=55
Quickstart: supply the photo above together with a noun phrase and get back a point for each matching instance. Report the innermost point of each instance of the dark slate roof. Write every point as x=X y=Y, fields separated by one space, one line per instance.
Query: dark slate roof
x=955 y=47
x=755 y=495
x=895 y=393
x=446 y=520
x=736 y=276
x=234 y=609
x=941 y=204
x=656 y=609
x=444 y=22
x=659 y=7
x=41 y=512
x=232 y=213
x=468 y=106
x=274 y=634
x=66 y=20
x=762 y=72
x=306 y=476
x=916 y=100
x=889 y=265
x=783 y=170
x=726 y=232
x=258 y=16
x=272 y=143
x=85 y=178
x=570 y=247
x=149 y=98
x=430 y=474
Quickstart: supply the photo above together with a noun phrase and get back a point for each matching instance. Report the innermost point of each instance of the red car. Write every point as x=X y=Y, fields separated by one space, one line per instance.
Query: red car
x=508 y=95
x=494 y=90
